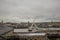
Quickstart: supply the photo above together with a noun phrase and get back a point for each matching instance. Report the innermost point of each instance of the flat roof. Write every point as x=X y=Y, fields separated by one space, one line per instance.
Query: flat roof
x=21 y=30
x=48 y=28
x=31 y=34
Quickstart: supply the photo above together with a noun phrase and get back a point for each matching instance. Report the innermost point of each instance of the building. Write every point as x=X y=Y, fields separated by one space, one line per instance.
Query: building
x=5 y=31
x=36 y=33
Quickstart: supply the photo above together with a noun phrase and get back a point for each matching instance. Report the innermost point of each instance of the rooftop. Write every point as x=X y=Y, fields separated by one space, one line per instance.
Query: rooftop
x=4 y=30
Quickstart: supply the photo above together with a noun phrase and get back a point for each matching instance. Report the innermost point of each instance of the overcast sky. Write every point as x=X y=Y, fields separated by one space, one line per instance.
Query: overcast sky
x=23 y=10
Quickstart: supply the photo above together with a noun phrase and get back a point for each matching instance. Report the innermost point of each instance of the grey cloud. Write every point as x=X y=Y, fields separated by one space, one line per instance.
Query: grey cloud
x=39 y=9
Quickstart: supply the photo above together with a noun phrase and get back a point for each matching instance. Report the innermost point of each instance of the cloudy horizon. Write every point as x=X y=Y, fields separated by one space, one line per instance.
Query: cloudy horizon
x=24 y=10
